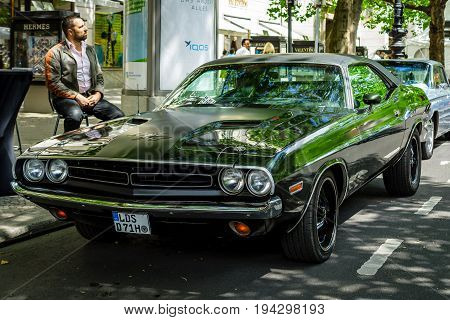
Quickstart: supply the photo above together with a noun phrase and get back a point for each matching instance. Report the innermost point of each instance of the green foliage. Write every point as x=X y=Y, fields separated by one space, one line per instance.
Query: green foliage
x=375 y=13
x=278 y=9
x=379 y=13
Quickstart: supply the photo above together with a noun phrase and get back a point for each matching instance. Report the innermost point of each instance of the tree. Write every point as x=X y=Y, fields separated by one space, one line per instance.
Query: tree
x=425 y=13
x=342 y=36
x=347 y=14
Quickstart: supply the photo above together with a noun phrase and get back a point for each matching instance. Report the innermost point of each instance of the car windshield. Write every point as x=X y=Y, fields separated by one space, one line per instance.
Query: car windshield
x=409 y=72
x=262 y=85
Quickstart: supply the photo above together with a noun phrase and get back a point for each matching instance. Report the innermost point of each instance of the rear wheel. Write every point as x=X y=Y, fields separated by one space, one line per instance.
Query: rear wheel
x=403 y=178
x=428 y=144
x=313 y=238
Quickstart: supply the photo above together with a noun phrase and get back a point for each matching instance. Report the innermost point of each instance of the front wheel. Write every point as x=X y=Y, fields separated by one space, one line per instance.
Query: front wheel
x=403 y=178
x=313 y=238
x=428 y=144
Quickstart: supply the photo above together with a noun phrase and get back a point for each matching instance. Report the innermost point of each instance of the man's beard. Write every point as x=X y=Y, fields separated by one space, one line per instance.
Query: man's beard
x=81 y=38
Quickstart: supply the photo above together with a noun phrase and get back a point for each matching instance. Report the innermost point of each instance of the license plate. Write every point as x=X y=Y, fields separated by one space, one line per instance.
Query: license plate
x=131 y=222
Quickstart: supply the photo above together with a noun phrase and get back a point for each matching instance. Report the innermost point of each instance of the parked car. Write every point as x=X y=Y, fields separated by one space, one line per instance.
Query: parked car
x=247 y=144
x=430 y=76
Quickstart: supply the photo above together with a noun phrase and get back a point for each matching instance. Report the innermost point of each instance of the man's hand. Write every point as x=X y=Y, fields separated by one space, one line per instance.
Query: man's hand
x=94 y=99
x=82 y=100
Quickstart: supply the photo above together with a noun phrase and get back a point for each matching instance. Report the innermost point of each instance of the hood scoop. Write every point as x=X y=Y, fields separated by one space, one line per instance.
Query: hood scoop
x=137 y=121
x=239 y=124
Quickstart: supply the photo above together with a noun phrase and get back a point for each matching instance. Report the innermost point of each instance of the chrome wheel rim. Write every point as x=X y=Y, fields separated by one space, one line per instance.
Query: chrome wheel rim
x=326 y=216
x=414 y=160
x=429 y=140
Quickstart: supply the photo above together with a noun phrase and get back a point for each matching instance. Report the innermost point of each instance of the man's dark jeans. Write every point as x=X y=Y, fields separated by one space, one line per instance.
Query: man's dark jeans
x=73 y=114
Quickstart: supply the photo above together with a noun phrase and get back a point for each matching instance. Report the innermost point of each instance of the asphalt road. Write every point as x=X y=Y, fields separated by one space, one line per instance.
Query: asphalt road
x=410 y=237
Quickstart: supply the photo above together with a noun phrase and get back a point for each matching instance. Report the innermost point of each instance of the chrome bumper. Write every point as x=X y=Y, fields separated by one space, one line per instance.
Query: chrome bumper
x=267 y=210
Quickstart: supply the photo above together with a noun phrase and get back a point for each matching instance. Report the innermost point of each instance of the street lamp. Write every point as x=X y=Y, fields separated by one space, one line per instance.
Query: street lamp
x=290 y=4
x=397 y=33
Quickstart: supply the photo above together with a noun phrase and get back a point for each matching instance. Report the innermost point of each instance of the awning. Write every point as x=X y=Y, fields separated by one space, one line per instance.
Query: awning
x=244 y=25
x=225 y=25
x=280 y=30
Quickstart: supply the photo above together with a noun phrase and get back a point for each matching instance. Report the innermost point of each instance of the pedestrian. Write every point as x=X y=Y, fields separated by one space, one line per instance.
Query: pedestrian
x=76 y=87
x=232 y=53
x=245 y=49
x=224 y=54
x=377 y=55
x=268 y=48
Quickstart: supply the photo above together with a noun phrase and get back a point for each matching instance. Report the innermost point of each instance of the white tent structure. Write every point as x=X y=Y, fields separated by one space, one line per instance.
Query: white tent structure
x=419 y=47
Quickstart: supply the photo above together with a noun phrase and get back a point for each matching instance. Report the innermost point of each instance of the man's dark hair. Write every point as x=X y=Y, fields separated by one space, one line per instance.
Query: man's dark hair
x=243 y=41
x=67 y=23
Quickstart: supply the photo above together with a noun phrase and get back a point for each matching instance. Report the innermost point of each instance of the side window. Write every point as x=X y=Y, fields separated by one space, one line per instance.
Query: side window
x=438 y=76
x=364 y=80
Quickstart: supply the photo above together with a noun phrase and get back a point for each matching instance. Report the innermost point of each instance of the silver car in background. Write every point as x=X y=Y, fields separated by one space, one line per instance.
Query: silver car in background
x=430 y=76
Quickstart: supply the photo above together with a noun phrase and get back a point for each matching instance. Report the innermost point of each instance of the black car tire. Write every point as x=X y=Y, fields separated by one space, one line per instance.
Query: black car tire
x=428 y=144
x=403 y=178
x=313 y=238
x=447 y=136
x=92 y=232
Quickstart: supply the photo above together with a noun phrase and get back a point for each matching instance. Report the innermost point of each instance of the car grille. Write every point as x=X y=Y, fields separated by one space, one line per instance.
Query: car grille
x=171 y=180
x=148 y=176
x=99 y=175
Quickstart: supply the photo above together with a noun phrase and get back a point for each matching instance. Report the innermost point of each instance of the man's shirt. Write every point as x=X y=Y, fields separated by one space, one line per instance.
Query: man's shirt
x=242 y=51
x=83 y=66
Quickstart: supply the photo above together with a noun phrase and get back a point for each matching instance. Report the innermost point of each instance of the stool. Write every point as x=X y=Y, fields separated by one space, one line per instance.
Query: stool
x=85 y=116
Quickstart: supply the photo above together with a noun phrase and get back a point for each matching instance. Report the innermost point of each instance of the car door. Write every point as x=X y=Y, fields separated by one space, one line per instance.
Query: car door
x=382 y=126
x=441 y=101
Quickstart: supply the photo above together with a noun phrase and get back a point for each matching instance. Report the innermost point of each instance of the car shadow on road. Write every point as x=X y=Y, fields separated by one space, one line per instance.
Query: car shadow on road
x=196 y=266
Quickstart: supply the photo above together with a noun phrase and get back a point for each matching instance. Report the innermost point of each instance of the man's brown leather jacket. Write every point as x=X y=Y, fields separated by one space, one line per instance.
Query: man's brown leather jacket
x=61 y=71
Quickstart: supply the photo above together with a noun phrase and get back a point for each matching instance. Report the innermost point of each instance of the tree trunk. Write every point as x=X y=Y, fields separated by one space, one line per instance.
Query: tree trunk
x=342 y=38
x=437 y=30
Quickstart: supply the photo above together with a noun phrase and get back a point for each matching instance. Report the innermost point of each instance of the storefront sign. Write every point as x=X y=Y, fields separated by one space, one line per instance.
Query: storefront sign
x=37 y=26
x=136 y=44
x=238 y=3
x=188 y=34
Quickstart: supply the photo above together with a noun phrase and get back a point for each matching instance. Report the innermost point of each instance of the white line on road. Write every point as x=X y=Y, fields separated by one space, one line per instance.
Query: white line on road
x=376 y=261
x=444 y=163
x=428 y=206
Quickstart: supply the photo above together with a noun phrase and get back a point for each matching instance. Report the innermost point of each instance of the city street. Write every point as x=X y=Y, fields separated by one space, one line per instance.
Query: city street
x=410 y=236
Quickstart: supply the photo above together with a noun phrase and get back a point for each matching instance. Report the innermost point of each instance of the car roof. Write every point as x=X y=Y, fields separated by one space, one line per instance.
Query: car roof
x=325 y=58
x=319 y=58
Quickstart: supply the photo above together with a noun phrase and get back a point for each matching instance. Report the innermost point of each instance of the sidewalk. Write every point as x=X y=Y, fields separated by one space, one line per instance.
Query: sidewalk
x=20 y=217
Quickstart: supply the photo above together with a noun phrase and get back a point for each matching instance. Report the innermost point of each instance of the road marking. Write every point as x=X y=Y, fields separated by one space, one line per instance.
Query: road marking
x=444 y=163
x=376 y=261
x=428 y=206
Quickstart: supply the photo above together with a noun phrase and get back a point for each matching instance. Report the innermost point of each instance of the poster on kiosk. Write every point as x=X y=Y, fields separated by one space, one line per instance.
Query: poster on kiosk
x=188 y=39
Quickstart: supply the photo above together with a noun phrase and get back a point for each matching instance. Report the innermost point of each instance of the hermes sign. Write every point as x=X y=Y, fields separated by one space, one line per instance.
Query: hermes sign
x=40 y=26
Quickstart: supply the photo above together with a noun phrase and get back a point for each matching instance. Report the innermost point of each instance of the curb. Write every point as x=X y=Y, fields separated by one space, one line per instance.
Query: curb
x=37 y=231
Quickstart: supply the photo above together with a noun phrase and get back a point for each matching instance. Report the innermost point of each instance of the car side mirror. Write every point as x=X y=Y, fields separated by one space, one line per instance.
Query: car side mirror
x=372 y=99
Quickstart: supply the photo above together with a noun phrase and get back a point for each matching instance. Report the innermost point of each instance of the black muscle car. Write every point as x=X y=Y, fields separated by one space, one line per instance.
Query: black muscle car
x=249 y=144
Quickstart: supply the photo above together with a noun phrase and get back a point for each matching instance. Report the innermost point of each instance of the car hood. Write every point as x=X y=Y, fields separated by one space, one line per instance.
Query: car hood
x=206 y=134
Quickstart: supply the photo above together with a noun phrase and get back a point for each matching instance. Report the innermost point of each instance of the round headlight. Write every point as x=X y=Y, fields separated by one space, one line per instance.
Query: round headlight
x=34 y=170
x=259 y=182
x=232 y=181
x=57 y=170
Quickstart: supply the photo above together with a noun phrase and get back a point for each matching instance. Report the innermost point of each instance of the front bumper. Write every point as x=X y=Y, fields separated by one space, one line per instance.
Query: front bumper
x=228 y=211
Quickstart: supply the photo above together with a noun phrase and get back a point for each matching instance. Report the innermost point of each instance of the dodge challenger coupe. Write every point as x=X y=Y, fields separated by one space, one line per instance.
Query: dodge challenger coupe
x=430 y=76
x=247 y=145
